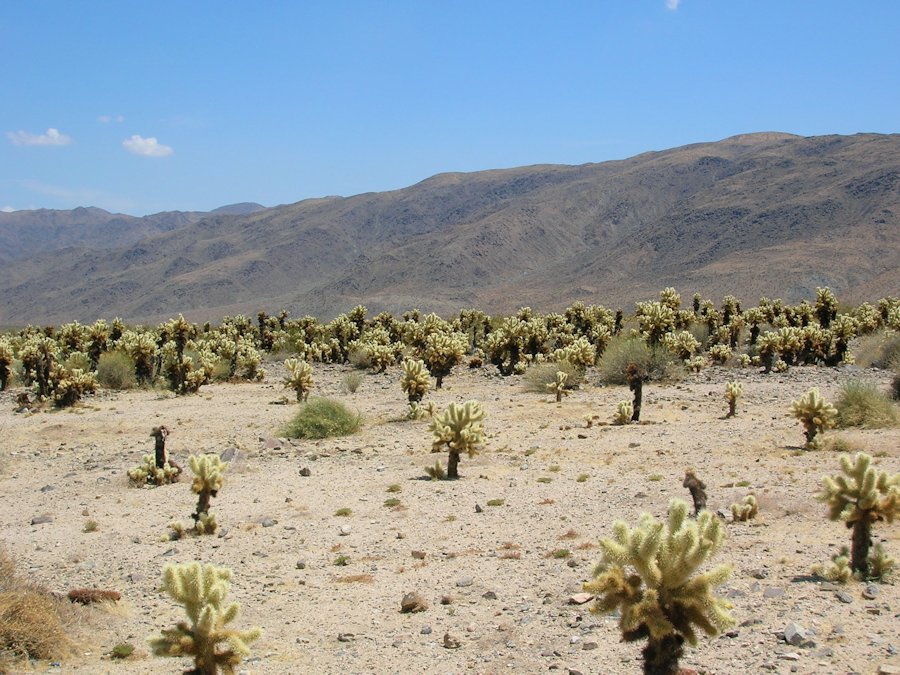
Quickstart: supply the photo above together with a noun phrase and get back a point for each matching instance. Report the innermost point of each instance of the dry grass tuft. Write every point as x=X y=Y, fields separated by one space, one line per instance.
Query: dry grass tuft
x=355 y=579
x=32 y=621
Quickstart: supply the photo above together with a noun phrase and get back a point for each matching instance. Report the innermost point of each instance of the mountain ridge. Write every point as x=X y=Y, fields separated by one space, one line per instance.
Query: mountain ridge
x=762 y=214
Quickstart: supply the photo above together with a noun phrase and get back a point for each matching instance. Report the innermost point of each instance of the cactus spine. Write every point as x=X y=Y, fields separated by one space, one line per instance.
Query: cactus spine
x=458 y=430
x=650 y=573
x=861 y=497
x=202 y=590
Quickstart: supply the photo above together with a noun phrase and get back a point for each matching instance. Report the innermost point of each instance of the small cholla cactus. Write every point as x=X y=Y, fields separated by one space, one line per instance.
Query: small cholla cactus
x=299 y=377
x=815 y=413
x=623 y=413
x=720 y=353
x=733 y=391
x=558 y=386
x=459 y=429
x=208 y=480
x=838 y=570
x=415 y=381
x=683 y=344
x=745 y=510
x=202 y=590
x=861 y=497
x=650 y=574
x=148 y=472
x=744 y=360
x=696 y=363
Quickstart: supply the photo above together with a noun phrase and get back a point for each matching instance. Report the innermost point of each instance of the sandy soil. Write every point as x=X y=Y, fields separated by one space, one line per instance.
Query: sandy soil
x=508 y=595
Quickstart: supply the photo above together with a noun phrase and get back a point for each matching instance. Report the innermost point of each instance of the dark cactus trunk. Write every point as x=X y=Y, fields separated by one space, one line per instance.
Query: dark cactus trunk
x=661 y=656
x=453 y=465
x=859 y=551
x=161 y=455
x=202 y=505
x=637 y=386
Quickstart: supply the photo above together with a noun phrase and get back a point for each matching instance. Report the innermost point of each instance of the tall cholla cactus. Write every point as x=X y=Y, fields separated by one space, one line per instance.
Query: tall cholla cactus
x=415 y=382
x=733 y=391
x=558 y=386
x=299 y=377
x=458 y=430
x=861 y=497
x=650 y=574
x=208 y=479
x=202 y=590
x=815 y=413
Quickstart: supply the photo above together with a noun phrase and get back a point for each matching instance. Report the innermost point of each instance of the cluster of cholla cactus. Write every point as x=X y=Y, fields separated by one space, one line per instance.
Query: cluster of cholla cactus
x=650 y=574
x=745 y=510
x=299 y=377
x=623 y=413
x=156 y=468
x=862 y=496
x=208 y=480
x=202 y=589
x=733 y=391
x=458 y=430
x=682 y=344
x=415 y=383
x=51 y=379
x=815 y=414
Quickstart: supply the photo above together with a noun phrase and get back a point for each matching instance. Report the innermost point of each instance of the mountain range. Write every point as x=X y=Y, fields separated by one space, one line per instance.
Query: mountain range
x=758 y=214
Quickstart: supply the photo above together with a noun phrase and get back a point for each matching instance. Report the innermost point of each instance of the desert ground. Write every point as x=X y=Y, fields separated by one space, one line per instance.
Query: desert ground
x=496 y=578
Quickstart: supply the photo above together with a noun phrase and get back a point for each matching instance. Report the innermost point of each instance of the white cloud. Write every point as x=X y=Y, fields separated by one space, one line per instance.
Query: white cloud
x=106 y=119
x=52 y=137
x=672 y=4
x=147 y=147
x=7 y=209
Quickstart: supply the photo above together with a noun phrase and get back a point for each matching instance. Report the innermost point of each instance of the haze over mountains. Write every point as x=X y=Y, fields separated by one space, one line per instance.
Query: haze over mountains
x=759 y=214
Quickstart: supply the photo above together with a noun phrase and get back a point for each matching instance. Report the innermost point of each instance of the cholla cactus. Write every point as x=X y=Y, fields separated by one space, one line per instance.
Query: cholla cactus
x=861 y=497
x=745 y=510
x=720 y=353
x=202 y=590
x=656 y=319
x=624 y=411
x=683 y=344
x=838 y=570
x=733 y=391
x=142 y=348
x=148 y=472
x=6 y=359
x=442 y=352
x=208 y=479
x=299 y=377
x=696 y=363
x=558 y=386
x=581 y=354
x=458 y=430
x=815 y=413
x=39 y=356
x=826 y=306
x=650 y=573
x=415 y=381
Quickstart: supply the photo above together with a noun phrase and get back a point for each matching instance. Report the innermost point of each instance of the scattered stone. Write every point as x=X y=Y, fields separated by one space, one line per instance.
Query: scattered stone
x=789 y=656
x=888 y=669
x=773 y=593
x=418 y=555
x=478 y=508
x=344 y=530
x=589 y=646
x=231 y=455
x=268 y=522
x=870 y=592
x=301 y=564
x=48 y=488
x=464 y=581
x=446 y=600
x=413 y=602
x=272 y=444
x=41 y=520
x=574 y=640
x=489 y=595
x=306 y=472
x=346 y=637
x=845 y=597
x=752 y=621
x=794 y=634
x=450 y=642
x=426 y=630
x=580 y=598
x=571 y=562
x=760 y=573
x=732 y=633
x=573 y=671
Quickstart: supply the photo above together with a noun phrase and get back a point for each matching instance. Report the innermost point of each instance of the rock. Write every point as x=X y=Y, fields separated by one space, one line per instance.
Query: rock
x=571 y=562
x=301 y=565
x=573 y=671
x=47 y=488
x=580 y=598
x=773 y=593
x=489 y=595
x=574 y=640
x=759 y=573
x=446 y=600
x=478 y=508
x=413 y=602
x=268 y=522
x=272 y=444
x=426 y=630
x=794 y=634
x=419 y=555
x=41 y=520
x=888 y=669
x=789 y=656
x=306 y=472
x=464 y=582
x=845 y=597
x=344 y=530
x=450 y=642
x=346 y=637
x=589 y=646
x=870 y=592
x=231 y=455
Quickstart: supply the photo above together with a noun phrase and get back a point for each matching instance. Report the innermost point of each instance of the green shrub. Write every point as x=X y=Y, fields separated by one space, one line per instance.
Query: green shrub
x=538 y=376
x=322 y=418
x=115 y=370
x=861 y=404
x=656 y=361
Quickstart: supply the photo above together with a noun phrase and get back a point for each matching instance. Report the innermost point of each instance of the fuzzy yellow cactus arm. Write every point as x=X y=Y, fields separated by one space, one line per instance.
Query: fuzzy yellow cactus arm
x=459 y=429
x=201 y=590
x=558 y=386
x=815 y=414
x=651 y=574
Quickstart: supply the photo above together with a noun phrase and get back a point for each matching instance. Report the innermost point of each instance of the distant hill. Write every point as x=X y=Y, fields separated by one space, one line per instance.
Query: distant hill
x=759 y=214
x=241 y=209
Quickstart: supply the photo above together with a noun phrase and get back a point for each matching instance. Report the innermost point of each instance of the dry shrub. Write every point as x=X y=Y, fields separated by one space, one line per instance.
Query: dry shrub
x=32 y=625
x=881 y=349
x=355 y=579
x=861 y=404
x=539 y=375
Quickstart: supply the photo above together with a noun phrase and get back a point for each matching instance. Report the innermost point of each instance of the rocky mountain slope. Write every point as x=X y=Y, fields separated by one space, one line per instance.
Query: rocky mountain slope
x=760 y=214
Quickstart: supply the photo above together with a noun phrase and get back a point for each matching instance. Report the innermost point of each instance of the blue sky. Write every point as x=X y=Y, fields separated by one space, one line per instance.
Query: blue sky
x=142 y=107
